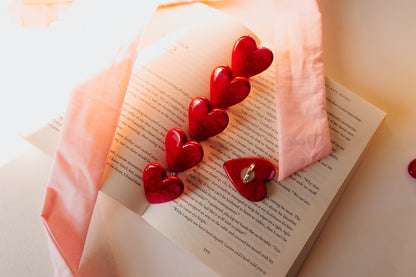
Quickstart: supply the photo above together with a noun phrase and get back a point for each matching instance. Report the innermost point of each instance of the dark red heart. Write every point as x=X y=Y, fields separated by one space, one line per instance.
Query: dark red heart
x=248 y=60
x=158 y=187
x=412 y=168
x=255 y=189
x=181 y=154
x=205 y=122
x=227 y=90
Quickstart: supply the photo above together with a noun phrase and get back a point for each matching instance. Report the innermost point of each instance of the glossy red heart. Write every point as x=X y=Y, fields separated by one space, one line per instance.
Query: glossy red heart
x=159 y=187
x=181 y=154
x=411 y=168
x=205 y=122
x=255 y=188
x=248 y=60
x=225 y=89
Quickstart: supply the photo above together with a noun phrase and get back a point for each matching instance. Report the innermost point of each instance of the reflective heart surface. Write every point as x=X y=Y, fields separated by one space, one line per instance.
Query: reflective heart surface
x=204 y=121
x=159 y=187
x=254 y=187
x=181 y=154
x=225 y=90
x=247 y=60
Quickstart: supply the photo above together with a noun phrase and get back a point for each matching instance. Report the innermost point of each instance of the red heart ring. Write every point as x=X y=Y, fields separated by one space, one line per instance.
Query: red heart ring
x=159 y=187
x=205 y=122
x=226 y=90
x=181 y=154
x=247 y=60
x=248 y=175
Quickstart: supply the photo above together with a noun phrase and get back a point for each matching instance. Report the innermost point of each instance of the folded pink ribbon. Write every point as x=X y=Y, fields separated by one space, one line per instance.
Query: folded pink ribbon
x=301 y=113
x=88 y=130
x=94 y=109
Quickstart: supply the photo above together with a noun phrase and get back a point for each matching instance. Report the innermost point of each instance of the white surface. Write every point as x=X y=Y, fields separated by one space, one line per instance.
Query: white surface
x=23 y=245
x=369 y=47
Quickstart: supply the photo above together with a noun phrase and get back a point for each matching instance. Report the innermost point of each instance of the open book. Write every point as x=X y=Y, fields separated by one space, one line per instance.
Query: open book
x=211 y=219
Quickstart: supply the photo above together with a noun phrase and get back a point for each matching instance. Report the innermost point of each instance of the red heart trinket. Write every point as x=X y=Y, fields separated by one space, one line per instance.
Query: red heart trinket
x=247 y=60
x=181 y=154
x=412 y=168
x=205 y=122
x=227 y=90
x=158 y=187
x=248 y=176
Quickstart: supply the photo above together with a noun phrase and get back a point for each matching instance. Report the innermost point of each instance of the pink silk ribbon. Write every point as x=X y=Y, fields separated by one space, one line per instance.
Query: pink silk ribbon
x=94 y=109
x=301 y=106
x=87 y=133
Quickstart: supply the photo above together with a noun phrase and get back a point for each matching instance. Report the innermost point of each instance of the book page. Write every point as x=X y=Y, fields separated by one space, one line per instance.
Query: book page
x=237 y=237
x=164 y=22
x=166 y=77
x=46 y=138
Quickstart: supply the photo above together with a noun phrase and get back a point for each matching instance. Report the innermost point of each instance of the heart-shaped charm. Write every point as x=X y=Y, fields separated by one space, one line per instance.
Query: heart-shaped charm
x=227 y=90
x=159 y=187
x=248 y=60
x=248 y=176
x=205 y=122
x=181 y=154
x=412 y=168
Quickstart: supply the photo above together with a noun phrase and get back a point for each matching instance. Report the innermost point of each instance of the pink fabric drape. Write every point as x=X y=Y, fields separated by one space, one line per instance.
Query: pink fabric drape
x=301 y=113
x=81 y=157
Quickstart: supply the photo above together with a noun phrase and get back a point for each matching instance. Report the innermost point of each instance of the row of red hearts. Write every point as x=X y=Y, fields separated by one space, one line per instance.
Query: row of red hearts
x=228 y=86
